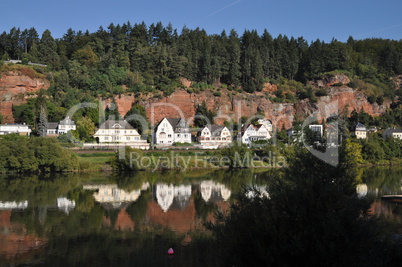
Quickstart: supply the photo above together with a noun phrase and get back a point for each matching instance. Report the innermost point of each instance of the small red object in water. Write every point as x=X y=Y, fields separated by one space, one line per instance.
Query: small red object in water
x=170 y=251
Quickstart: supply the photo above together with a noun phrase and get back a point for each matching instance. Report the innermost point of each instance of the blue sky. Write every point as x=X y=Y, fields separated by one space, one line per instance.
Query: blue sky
x=311 y=19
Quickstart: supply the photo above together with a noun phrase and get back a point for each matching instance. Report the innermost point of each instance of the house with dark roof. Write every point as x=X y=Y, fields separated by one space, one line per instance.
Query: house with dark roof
x=119 y=132
x=360 y=131
x=62 y=127
x=250 y=133
x=214 y=136
x=392 y=133
x=66 y=125
x=170 y=131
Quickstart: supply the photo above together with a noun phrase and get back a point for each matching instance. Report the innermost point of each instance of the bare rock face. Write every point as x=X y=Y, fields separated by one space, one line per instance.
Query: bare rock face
x=13 y=90
x=330 y=80
x=230 y=106
x=16 y=88
x=187 y=83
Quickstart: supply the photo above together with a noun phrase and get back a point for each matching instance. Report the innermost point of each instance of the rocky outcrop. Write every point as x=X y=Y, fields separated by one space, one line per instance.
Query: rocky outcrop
x=229 y=106
x=333 y=79
x=14 y=90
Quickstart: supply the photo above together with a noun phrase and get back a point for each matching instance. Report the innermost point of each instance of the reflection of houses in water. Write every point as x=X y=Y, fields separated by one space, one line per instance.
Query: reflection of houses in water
x=211 y=191
x=66 y=205
x=260 y=191
x=9 y=205
x=169 y=196
x=113 y=197
x=361 y=190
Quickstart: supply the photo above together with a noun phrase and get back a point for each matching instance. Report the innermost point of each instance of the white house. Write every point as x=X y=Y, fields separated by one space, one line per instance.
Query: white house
x=392 y=133
x=10 y=128
x=62 y=127
x=214 y=135
x=250 y=133
x=317 y=130
x=360 y=131
x=170 y=131
x=66 y=125
x=52 y=128
x=121 y=133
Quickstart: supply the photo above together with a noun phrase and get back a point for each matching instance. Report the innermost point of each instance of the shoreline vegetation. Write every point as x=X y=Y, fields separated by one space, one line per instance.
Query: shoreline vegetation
x=45 y=155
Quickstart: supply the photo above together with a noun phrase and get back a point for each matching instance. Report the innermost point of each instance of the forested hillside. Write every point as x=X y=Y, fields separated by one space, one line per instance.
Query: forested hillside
x=140 y=58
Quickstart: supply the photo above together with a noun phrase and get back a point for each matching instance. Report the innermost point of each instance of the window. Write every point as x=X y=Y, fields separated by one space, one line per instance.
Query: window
x=169 y=136
x=178 y=135
x=127 y=138
x=106 y=138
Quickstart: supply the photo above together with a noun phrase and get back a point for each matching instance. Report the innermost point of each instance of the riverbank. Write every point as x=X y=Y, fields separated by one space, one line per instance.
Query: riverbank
x=172 y=160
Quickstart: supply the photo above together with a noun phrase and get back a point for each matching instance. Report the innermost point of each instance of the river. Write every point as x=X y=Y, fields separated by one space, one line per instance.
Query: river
x=102 y=219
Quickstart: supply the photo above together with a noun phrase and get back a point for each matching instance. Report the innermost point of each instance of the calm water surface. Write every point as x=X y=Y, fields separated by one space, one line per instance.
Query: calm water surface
x=132 y=220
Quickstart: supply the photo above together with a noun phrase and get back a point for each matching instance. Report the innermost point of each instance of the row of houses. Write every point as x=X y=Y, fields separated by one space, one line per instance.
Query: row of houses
x=167 y=132
x=361 y=131
x=171 y=131
x=53 y=128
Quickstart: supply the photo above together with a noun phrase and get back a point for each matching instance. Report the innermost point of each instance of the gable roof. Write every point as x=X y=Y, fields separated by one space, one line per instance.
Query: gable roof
x=116 y=124
x=67 y=121
x=214 y=129
x=52 y=125
x=175 y=123
x=360 y=127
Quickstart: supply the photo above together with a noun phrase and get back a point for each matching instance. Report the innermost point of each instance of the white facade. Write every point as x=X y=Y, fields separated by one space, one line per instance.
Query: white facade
x=252 y=133
x=66 y=125
x=214 y=135
x=170 y=131
x=360 y=131
x=316 y=129
x=392 y=133
x=120 y=132
x=21 y=129
x=62 y=127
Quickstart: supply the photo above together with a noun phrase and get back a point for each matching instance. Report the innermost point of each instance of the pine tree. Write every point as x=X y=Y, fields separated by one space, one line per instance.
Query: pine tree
x=42 y=123
x=48 y=50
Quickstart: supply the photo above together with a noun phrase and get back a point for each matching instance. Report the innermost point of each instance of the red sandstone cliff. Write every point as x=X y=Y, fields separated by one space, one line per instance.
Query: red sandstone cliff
x=229 y=105
x=14 y=87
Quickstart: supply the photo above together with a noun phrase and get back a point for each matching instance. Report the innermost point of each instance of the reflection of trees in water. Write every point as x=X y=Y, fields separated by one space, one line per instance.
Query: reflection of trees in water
x=37 y=190
x=85 y=230
x=383 y=180
x=313 y=215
